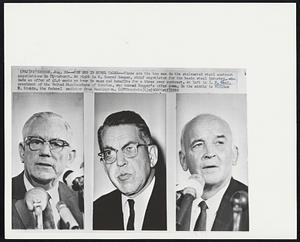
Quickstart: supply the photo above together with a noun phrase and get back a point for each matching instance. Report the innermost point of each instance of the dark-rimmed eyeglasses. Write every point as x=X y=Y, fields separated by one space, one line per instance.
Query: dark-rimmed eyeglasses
x=37 y=143
x=109 y=155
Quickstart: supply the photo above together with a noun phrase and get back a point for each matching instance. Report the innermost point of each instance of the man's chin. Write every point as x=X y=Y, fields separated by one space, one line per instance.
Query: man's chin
x=127 y=191
x=42 y=180
x=211 y=179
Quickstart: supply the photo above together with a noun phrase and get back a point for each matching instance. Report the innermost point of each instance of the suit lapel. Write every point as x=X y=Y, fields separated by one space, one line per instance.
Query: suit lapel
x=18 y=205
x=71 y=201
x=118 y=212
x=155 y=215
x=224 y=218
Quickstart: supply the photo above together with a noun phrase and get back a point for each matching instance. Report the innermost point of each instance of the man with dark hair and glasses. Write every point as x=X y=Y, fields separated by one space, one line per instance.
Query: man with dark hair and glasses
x=45 y=151
x=130 y=159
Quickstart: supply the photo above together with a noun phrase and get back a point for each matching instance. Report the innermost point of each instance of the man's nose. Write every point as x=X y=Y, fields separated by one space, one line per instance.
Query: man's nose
x=208 y=152
x=121 y=161
x=45 y=149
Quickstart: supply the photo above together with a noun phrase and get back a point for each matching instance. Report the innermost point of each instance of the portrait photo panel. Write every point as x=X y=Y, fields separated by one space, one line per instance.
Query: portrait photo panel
x=212 y=159
x=47 y=161
x=129 y=163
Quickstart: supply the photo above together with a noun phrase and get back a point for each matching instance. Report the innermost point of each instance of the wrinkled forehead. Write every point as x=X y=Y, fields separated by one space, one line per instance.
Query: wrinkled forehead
x=48 y=128
x=207 y=127
x=120 y=134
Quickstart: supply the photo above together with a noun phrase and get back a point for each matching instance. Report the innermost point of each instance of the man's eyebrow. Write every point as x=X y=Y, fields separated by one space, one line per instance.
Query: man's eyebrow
x=197 y=140
x=35 y=137
x=221 y=136
x=129 y=143
x=112 y=148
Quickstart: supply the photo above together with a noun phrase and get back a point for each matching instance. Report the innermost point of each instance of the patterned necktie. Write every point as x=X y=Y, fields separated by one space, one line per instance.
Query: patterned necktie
x=201 y=220
x=130 y=223
x=48 y=219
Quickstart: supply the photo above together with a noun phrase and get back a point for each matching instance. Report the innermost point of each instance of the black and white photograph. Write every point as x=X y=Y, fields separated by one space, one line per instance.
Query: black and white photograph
x=150 y=121
x=47 y=161
x=129 y=170
x=212 y=174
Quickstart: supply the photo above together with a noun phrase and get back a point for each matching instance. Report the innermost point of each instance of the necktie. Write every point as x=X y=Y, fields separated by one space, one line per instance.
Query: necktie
x=201 y=220
x=48 y=219
x=130 y=223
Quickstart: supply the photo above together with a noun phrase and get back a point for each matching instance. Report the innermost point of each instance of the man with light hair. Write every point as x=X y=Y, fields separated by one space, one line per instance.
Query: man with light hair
x=46 y=150
x=208 y=154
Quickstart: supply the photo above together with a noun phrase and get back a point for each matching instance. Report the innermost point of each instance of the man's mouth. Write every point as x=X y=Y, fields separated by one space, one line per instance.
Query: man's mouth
x=209 y=168
x=44 y=164
x=124 y=176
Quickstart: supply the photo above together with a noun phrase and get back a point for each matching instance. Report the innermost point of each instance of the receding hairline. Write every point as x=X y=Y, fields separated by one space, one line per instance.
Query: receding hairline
x=202 y=118
x=45 y=116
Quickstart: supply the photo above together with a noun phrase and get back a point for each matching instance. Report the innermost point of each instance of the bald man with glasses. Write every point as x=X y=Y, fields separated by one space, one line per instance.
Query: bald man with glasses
x=46 y=151
x=130 y=159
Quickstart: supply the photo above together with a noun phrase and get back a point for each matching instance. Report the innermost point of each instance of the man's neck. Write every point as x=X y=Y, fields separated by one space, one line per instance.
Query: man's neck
x=210 y=190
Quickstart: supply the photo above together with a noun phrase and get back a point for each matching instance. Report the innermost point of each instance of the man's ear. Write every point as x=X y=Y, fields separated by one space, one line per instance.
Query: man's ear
x=153 y=154
x=21 y=151
x=235 y=157
x=71 y=156
x=182 y=160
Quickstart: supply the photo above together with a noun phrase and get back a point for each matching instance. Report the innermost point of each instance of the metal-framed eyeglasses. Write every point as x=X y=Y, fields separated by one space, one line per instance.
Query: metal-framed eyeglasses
x=37 y=143
x=109 y=155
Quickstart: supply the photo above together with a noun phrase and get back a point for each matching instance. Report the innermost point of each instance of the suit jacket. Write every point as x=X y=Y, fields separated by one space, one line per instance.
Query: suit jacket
x=224 y=216
x=108 y=213
x=22 y=218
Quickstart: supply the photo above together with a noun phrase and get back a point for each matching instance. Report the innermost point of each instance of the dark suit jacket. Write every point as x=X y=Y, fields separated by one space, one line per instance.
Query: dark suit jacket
x=224 y=216
x=108 y=213
x=22 y=218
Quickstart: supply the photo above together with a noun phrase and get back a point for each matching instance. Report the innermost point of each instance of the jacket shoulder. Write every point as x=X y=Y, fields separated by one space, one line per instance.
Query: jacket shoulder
x=238 y=186
x=107 y=198
x=107 y=212
x=18 y=187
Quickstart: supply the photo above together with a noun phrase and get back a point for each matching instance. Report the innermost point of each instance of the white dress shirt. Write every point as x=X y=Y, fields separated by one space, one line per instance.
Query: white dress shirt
x=213 y=204
x=54 y=198
x=140 y=206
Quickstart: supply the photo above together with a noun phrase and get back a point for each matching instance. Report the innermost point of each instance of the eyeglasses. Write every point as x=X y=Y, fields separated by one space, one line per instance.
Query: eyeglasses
x=109 y=155
x=36 y=143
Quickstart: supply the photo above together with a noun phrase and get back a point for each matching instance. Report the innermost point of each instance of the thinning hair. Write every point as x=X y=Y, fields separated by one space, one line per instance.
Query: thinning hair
x=44 y=116
x=126 y=117
x=203 y=116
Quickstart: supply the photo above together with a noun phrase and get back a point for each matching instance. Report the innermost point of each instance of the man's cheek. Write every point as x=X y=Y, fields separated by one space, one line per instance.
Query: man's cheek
x=111 y=173
x=31 y=157
x=194 y=168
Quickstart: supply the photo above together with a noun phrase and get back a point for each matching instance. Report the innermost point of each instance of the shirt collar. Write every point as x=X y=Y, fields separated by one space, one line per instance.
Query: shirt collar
x=213 y=202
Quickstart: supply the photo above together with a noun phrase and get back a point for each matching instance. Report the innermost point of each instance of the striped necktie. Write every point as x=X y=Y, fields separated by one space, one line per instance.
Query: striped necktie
x=48 y=219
